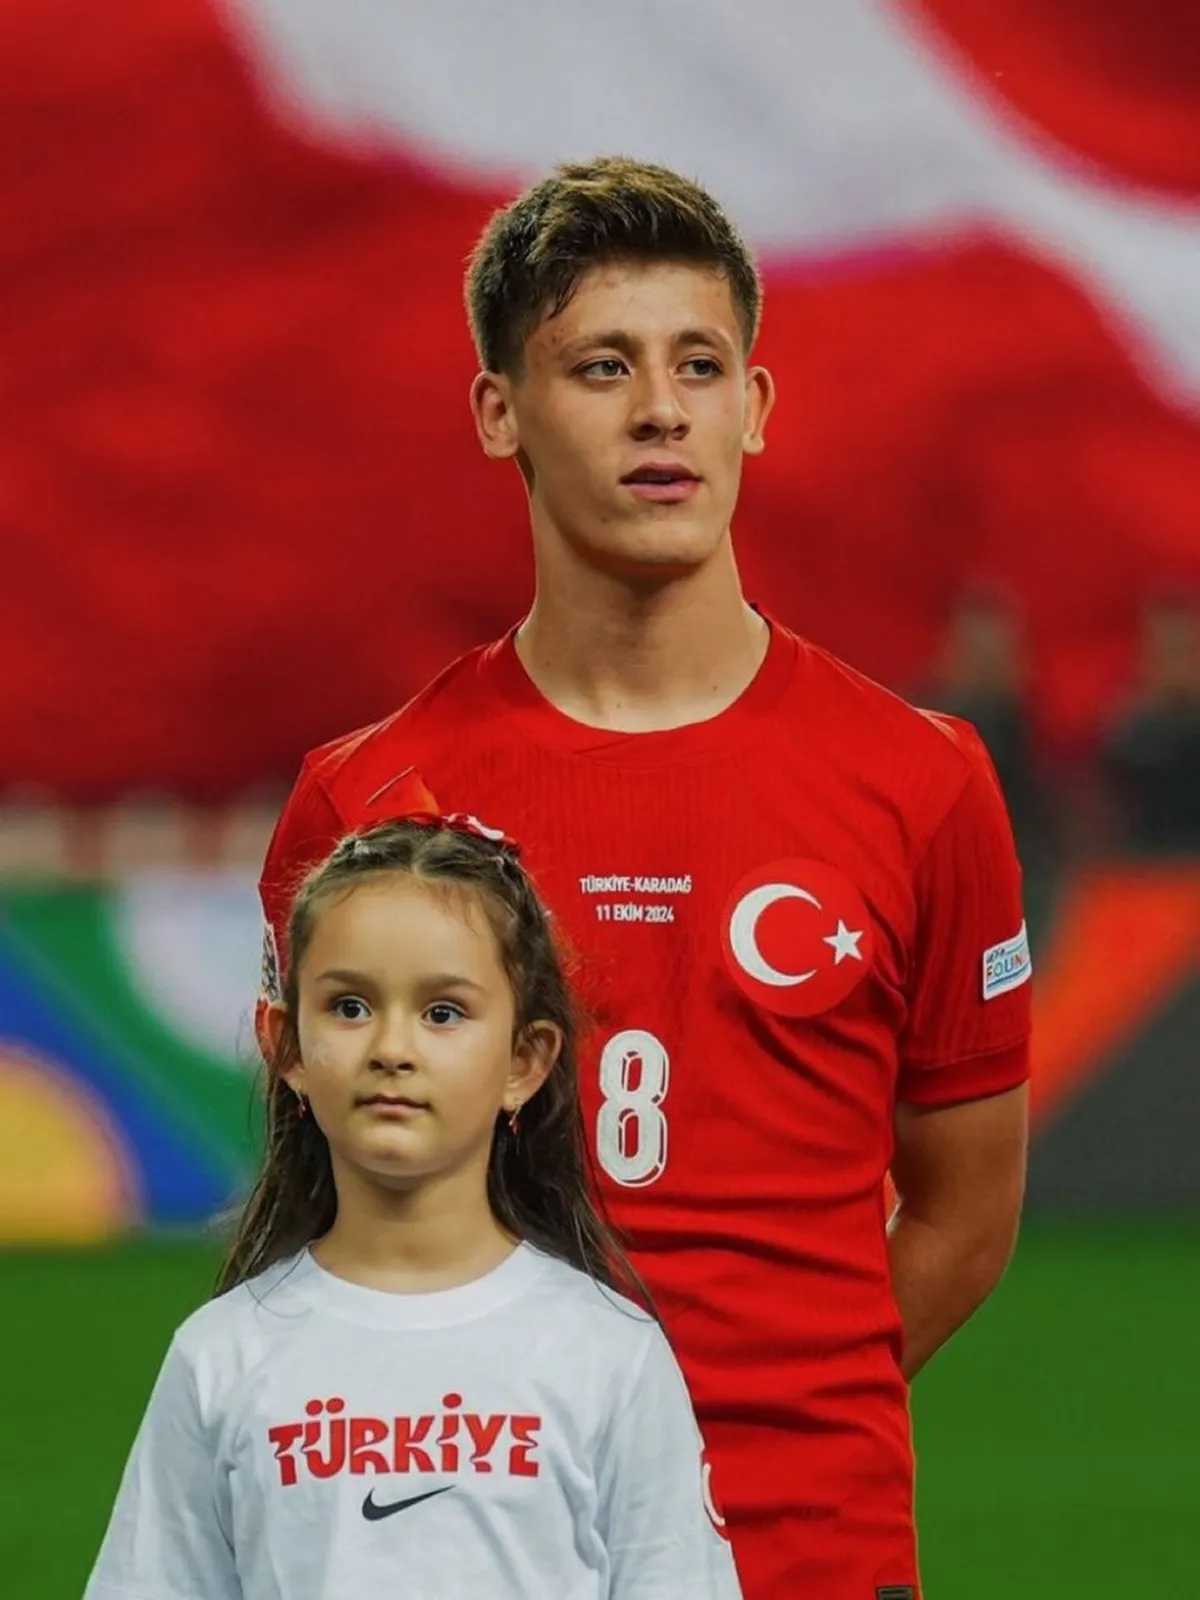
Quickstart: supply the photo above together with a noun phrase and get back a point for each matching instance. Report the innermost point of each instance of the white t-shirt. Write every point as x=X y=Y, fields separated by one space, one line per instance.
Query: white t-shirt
x=527 y=1436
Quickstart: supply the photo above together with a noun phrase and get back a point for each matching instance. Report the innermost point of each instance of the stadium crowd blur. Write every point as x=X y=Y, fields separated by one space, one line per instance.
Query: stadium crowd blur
x=1138 y=791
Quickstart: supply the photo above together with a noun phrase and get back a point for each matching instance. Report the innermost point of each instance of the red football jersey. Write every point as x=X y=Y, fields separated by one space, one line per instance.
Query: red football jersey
x=790 y=915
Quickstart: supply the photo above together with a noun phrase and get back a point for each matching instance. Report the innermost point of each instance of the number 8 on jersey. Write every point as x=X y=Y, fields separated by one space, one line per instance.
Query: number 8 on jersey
x=631 y=1130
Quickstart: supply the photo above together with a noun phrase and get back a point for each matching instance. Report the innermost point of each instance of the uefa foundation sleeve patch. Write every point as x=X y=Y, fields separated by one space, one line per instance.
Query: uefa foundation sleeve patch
x=1007 y=966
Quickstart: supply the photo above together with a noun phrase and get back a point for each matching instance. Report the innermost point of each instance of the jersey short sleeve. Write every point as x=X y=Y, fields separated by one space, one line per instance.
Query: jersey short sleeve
x=967 y=1033
x=313 y=819
x=168 y=1536
x=658 y=1519
x=307 y=829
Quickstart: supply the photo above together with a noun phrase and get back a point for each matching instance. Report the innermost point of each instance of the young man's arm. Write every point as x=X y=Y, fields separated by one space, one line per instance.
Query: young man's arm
x=959 y=1173
x=960 y=1127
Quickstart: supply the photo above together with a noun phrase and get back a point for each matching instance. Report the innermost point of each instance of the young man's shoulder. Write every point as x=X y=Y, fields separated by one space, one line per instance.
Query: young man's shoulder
x=353 y=770
x=453 y=691
x=871 y=721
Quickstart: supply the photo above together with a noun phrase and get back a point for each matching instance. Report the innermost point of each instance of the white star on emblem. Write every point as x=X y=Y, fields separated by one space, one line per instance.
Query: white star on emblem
x=844 y=943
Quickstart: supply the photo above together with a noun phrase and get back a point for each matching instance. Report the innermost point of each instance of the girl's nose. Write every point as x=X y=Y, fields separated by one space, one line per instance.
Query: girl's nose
x=392 y=1049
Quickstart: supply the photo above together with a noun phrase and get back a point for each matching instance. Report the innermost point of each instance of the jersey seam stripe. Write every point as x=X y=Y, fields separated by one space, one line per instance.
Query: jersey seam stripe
x=937 y=1064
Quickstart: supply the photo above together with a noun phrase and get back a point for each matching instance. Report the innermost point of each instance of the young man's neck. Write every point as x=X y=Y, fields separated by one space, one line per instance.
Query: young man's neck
x=438 y=1236
x=636 y=657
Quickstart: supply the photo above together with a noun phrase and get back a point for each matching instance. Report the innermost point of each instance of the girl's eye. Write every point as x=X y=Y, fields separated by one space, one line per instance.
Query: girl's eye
x=350 y=1008
x=444 y=1012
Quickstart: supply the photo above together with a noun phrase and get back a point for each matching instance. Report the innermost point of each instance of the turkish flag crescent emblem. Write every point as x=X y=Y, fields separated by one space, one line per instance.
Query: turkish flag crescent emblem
x=797 y=937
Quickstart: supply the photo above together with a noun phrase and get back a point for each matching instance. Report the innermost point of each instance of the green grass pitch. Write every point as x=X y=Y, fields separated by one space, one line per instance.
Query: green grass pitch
x=1058 y=1437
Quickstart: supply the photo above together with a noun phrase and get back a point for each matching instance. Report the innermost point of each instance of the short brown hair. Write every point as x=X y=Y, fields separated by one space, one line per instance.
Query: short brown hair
x=534 y=251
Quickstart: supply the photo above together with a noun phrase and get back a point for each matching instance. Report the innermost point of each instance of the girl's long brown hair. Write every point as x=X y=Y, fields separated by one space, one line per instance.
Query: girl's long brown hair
x=540 y=1178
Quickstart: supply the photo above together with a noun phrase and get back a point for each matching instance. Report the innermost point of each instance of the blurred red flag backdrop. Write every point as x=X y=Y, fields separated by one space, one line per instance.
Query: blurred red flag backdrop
x=241 y=506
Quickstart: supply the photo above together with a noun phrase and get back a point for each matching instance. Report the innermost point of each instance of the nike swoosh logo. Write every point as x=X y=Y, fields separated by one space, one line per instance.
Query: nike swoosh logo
x=376 y=1513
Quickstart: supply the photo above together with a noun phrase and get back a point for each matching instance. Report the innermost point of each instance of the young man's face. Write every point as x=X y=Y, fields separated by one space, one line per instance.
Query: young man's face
x=630 y=418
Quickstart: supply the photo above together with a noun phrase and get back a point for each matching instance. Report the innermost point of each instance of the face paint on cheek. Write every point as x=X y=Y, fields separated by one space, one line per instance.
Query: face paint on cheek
x=315 y=1054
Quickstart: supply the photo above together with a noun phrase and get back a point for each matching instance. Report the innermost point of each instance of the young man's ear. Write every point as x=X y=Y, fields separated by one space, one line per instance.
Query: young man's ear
x=495 y=422
x=534 y=1055
x=760 y=397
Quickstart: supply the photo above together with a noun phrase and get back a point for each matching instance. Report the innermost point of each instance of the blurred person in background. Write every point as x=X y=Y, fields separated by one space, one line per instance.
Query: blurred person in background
x=1151 y=753
x=982 y=678
x=798 y=897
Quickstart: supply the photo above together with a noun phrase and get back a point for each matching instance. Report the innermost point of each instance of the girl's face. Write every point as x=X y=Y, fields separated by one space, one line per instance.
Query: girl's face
x=406 y=1022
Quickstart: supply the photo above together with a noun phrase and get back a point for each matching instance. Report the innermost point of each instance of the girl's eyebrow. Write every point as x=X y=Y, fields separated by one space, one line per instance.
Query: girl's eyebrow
x=341 y=975
x=452 y=980
x=438 y=980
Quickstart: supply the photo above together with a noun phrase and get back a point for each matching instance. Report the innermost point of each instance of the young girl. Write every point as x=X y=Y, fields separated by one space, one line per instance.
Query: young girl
x=420 y=1381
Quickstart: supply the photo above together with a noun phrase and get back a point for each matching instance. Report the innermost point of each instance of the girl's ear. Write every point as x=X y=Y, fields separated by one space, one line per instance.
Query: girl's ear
x=533 y=1060
x=263 y=1027
x=270 y=1024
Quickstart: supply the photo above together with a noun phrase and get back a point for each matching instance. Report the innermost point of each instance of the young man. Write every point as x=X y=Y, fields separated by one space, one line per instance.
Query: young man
x=795 y=897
